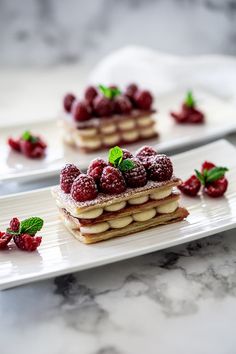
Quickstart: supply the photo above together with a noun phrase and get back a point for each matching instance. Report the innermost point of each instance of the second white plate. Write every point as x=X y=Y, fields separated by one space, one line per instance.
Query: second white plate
x=220 y=120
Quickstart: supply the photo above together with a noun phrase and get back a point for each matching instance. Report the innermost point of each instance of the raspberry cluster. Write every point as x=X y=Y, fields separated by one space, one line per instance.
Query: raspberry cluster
x=105 y=101
x=122 y=171
x=188 y=113
x=31 y=146
x=211 y=177
x=24 y=240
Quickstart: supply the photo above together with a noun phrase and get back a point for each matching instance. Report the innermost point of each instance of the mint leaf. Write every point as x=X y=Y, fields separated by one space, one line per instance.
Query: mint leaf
x=115 y=155
x=126 y=165
x=26 y=135
x=109 y=92
x=10 y=232
x=200 y=176
x=115 y=92
x=189 y=100
x=31 y=226
x=216 y=173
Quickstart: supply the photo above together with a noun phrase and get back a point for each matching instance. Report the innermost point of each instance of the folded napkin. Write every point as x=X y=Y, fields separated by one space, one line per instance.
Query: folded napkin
x=163 y=73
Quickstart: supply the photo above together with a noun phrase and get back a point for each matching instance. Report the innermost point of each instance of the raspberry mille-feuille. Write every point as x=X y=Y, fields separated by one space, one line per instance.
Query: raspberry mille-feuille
x=125 y=195
x=105 y=116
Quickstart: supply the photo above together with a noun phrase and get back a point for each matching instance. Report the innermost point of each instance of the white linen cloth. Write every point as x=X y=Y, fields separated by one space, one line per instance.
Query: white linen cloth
x=163 y=73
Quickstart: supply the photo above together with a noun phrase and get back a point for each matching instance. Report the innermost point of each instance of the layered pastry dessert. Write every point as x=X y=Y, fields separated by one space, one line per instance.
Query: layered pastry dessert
x=125 y=195
x=105 y=116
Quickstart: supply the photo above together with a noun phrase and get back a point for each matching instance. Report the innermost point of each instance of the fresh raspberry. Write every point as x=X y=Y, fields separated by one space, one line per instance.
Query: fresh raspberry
x=131 y=90
x=143 y=100
x=67 y=176
x=5 y=238
x=126 y=154
x=103 y=106
x=27 y=242
x=95 y=169
x=191 y=186
x=188 y=115
x=14 y=144
x=161 y=168
x=68 y=101
x=146 y=151
x=33 y=148
x=90 y=93
x=207 y=166
x=122 y=105
x=80 y=111
x=137 y=176
x=112 y=181
x=145 y=155
x=217 y=188
x=15 y=224
x=84 y=188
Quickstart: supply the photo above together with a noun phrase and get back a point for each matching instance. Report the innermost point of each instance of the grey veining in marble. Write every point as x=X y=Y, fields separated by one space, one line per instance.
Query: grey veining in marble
x=47 y=31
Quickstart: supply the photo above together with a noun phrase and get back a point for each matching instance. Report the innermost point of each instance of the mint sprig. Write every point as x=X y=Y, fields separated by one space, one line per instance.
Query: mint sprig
x=115 y=157
x=189 y=100
x=28 y=226
x=109 y=92
x=211 y=175
x=31 y=226
x=27 y=136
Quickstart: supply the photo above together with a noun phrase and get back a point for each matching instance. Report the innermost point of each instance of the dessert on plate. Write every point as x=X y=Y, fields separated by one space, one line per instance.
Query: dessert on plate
x=189 y=112
x=125 y=195
x=105 y=116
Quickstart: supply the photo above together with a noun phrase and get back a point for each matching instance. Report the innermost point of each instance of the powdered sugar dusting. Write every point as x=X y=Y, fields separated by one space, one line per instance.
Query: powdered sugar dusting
x=67 y=200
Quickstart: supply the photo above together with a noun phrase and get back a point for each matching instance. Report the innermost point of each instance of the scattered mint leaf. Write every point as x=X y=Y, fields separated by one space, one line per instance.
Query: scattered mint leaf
x=216 y=173
x=31 y=226
x=200 y=177
x=109 y=92
x=126 y=165
x=115 y=156
x=26 y=135
x=189 y=100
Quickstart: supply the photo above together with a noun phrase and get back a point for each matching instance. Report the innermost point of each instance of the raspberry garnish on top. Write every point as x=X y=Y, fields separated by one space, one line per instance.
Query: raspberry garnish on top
x=67 y=176
x=161 y=168
x=143 y=99
x=81 y=111
x=104 y=101
x=90 y=93
x=126 y=154
x=145 y=154
x=84 y=188
x=112 y=181
x=135 y=176
x=68 y=101
x=95 y=169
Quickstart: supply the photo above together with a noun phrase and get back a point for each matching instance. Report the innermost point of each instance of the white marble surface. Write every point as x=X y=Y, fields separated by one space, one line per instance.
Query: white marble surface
x=46 y=32
x=182 y=300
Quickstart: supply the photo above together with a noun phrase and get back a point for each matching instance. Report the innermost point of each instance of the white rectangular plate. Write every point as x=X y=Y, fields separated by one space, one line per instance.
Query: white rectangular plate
x=60 y=253
x=220 y=120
